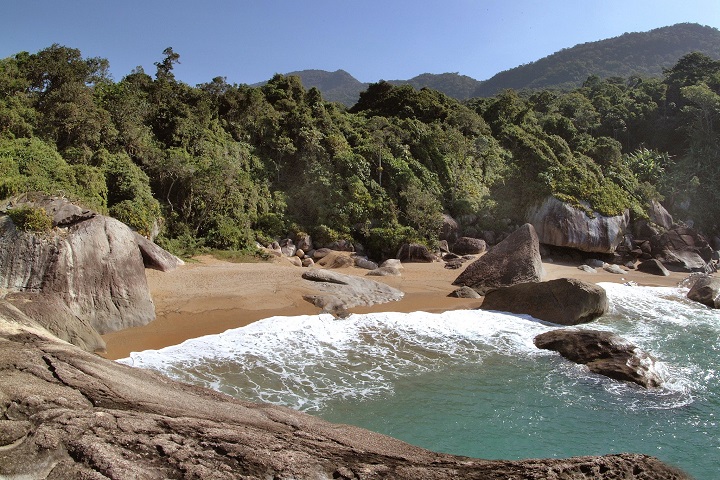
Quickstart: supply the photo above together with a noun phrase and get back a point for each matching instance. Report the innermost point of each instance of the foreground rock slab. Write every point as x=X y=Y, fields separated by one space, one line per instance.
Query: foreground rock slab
x=565 y=301
x=514 y=260
x=604 y=353
x=69 y=414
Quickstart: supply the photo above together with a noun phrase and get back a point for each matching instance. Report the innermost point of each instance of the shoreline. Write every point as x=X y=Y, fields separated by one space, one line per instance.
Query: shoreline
x=209 y=296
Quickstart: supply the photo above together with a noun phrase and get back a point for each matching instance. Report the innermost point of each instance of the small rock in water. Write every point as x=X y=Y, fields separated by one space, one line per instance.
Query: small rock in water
x=604 y=353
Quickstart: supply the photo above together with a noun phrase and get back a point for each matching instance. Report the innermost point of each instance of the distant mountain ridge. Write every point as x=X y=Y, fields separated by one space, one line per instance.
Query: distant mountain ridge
x=641 y=53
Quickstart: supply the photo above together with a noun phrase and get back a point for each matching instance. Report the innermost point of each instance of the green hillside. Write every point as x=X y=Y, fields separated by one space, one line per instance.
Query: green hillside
x=644 y=54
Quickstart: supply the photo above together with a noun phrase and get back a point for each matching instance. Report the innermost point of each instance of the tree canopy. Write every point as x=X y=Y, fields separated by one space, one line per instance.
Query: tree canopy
x=224 y=166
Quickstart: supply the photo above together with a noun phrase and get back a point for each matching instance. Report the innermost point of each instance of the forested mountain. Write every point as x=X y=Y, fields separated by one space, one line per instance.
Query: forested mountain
x=223 y=166
x=337 y=86
x=644 y=54
x=460 y=87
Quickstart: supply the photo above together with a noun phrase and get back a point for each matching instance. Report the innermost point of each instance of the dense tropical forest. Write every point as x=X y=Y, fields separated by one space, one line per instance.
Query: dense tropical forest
x=223 y=166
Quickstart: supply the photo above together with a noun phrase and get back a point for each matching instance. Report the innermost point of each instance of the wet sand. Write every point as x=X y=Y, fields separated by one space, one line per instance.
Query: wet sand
x=208 y=296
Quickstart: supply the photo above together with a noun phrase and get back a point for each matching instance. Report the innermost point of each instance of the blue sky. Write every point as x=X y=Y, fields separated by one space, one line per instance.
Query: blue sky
x=249 y=41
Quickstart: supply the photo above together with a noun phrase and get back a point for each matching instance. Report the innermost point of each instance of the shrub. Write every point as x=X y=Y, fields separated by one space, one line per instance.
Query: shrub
x=31 y=219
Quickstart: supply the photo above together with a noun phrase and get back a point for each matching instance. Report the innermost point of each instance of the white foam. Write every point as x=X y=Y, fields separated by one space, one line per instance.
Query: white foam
x=304 y=361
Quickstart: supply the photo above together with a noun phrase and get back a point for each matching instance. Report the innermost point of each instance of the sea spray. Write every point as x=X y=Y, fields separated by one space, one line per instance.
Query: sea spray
x=472 y=382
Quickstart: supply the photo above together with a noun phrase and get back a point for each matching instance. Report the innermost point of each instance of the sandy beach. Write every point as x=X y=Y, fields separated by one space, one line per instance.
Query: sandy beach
x=208 y=296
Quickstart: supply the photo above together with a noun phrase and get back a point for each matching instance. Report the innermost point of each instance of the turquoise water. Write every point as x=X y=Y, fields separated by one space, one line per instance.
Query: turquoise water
x=472 y=383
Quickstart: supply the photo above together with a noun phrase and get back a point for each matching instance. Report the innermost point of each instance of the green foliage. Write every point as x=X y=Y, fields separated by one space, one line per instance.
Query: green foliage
x=384 y=242
x=31 y=165
x=30 y=219
x=222 y=166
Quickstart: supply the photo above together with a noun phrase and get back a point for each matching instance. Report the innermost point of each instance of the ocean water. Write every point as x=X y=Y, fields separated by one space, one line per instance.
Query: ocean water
x=472 y=383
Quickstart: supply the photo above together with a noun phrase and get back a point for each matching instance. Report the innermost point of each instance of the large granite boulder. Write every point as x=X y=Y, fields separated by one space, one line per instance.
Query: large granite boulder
x=706 y=290
x=682 y=249
x=469 y=246
x=659 y=215
x=83 y=278
x=604 y=353
x=565 y=301
x=560 y=224
x=342 y=292
x=68 y=414
x=514 y=260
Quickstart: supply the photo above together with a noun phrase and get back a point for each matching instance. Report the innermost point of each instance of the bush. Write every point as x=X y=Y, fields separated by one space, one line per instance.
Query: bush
x=31 y=219
x=383 y=242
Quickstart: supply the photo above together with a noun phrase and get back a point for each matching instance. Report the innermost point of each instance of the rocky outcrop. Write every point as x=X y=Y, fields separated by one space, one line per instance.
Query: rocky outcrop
x=94 y=267
x=682 y=249
x=155 y=257
x=84 y=278
x=684 y=261
x=514 y=260
x=68 y=414
x=604 y=353
x=346 y=291
x=385 y=272
x=706 y=290
x=565 y=301
x=469 y=246
x=560 y=224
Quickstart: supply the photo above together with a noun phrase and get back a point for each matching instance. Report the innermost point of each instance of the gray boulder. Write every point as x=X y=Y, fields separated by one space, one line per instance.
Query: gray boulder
x=94 y=266
x=653 y=267
x=155 y=257
x=514 y=260
x=560 y=224
x=450 y=229
x=342 y=292
x=69 y=414
x=684 y=261
x=464 y=292
x=363 y=262
x=604 y=353
x=385 y=272
x=565 y=301
x=612 y=268
x=659 y=215
x=706 y=290
x=469 y=246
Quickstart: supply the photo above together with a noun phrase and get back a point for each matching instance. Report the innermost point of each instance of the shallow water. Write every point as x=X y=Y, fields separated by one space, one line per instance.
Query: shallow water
x=472 y=382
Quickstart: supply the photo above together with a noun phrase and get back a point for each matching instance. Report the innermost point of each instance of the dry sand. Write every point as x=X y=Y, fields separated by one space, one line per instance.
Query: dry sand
x=208 y=296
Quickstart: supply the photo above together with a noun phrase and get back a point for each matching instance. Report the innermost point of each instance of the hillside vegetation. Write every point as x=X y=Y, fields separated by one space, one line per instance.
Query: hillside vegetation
x=221 y=166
